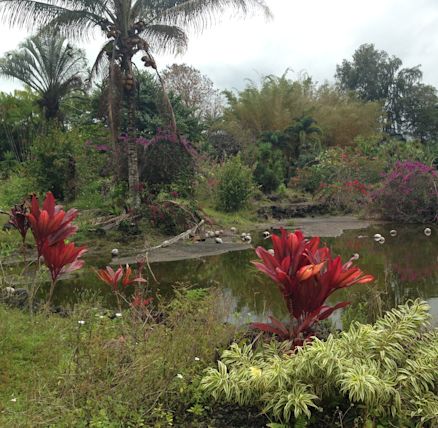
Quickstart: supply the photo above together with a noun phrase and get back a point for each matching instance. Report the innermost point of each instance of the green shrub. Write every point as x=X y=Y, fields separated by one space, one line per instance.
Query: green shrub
x=52 y=164
x=14 y=189
x=384 y=373
x=392 y=150
x=337 y=165
x=8 y=165
x=269 y=171
x=235 y=185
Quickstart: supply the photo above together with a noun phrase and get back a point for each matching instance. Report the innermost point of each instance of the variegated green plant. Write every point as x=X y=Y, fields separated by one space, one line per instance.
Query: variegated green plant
x=384 y=372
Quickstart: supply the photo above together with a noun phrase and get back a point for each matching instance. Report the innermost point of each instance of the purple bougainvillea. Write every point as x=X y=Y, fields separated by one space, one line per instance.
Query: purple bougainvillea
x=409 y=193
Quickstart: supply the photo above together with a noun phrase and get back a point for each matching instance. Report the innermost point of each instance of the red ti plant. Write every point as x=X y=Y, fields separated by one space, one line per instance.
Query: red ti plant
x=18 y=219
x=60 y=259
x=51 y=226
x=306 y=275
x=120 y=277
x=50 y=223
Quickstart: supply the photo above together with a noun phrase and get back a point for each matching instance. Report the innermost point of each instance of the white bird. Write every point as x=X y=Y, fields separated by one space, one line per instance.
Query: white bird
x=428 y=231
x=393 y=232
x=377 y=236
x=266 y=234
x=211 y=234
x=114 y=252
x=243 y=234
x=233 y=230
x=381 y=240
x=248 y=239
x=218 y=241
x=9 y=290
x=217 y=233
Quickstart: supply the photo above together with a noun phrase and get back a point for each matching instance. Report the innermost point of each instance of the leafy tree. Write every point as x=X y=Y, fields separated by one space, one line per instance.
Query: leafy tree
x=279 y=102
x=375 y=76
x=269 y=170
x=131 y=27
x=50 y=66
x=235 y=185
x=19 y=123
x=196 y=90
x=271 y=107
x=149 y=109
x=343 y=117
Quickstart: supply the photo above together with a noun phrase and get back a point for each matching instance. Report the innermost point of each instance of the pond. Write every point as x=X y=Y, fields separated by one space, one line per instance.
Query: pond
x=405 y=267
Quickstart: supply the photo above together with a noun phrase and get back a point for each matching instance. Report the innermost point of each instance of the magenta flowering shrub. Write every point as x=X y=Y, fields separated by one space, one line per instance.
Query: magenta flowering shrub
x=167 y=159
x=348 y=196
x=409 y=193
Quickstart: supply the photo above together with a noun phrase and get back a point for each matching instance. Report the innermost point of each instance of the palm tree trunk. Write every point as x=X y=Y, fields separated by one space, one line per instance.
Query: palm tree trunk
x=133 y=175
x=168 y=105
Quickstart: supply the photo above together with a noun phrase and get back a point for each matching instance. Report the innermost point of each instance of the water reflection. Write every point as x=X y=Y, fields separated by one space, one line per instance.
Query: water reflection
x=405 y=267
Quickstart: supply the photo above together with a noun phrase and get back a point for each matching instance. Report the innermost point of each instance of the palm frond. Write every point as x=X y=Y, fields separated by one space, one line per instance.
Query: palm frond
x=29 y=13
x=165 y=38
x=76 y=24
x=198 y=14
x=101 y=63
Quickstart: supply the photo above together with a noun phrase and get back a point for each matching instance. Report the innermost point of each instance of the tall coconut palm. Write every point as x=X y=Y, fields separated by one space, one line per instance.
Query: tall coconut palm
x=50 y=66
x=131 y=26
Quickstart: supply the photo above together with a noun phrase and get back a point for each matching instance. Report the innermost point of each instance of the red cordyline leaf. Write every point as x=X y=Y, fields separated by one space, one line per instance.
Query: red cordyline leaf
x=112 y=278
x=18 y=219
x=62 y=258
x=139 y=302
x=306 y=275
x=50 y=224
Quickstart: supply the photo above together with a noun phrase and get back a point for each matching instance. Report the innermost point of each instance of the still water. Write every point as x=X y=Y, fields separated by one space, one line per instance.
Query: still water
x=405 y=267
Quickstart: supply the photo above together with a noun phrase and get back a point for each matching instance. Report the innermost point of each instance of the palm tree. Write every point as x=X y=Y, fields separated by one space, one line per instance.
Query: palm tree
x=50 y=66
x=296 y=135
x=131 y=26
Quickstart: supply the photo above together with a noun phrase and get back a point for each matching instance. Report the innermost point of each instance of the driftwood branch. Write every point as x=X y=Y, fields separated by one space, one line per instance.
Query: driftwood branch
x=184 y=235
x=109 y=223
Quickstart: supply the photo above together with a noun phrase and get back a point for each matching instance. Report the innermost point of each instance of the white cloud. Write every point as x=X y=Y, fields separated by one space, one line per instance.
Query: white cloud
x=312 y=36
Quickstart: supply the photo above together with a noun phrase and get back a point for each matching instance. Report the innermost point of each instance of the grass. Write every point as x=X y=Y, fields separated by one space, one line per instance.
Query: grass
x=122 y=372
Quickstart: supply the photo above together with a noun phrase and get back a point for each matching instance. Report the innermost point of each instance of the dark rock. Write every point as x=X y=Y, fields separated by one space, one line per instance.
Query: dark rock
x=295 y=210
x=98 y=232
x=7 y=226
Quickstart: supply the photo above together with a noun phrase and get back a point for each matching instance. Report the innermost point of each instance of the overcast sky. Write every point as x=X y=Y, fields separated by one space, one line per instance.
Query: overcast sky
x=311 y=36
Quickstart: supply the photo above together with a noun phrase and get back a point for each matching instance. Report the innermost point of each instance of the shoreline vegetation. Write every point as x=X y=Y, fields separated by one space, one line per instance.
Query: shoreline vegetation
x=117 y=166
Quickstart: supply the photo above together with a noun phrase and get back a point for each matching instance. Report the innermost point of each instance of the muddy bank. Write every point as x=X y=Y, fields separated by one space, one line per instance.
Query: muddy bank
x=186 y=251
x=330 y=226
x=326 y=227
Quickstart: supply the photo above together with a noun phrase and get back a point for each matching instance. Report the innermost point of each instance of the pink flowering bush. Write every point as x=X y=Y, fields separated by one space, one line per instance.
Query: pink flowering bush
x=409 y=193
x=347 y=196
x=167 y=159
